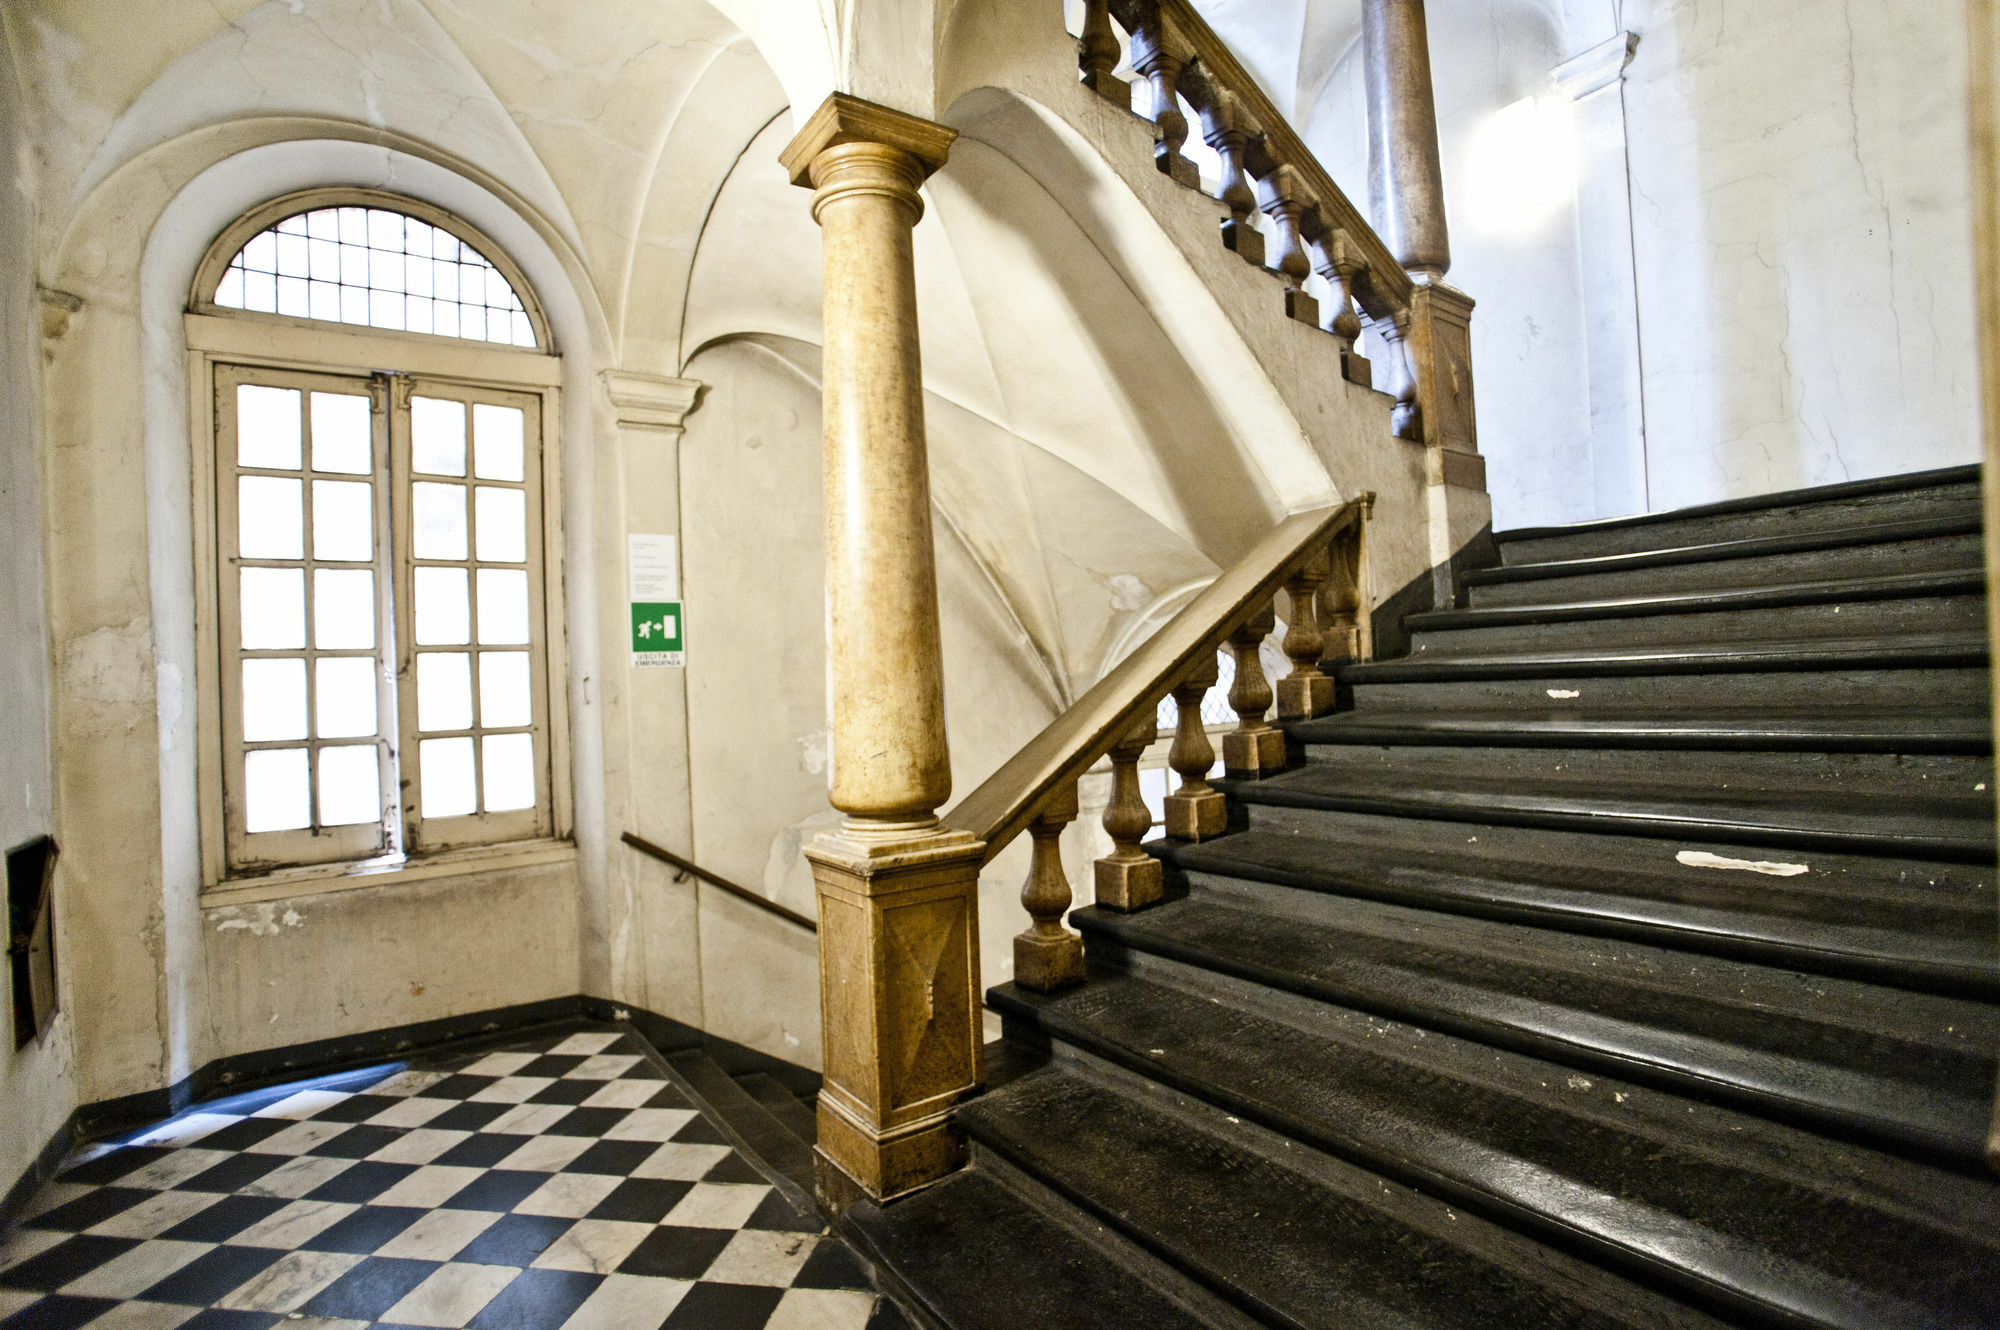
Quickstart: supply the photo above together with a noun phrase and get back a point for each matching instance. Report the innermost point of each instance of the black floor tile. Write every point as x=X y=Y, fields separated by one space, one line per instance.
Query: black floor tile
x=465 y=1117
x=641 y=1200
x=225 y=1219
x=588 y=1121
x=515 y=1240
x=245 y=1135
x=91 y=1208
x=776 y=1214
x=361 y=1183
x=566 y=1092
x=366 y=1229
x=668 y=1097
x=614 y=1157
x=699 y=1131
x=552 y=1064
x=888 y=1316
x=724 y=1307
x=111 y=1167
x=357 y=1142
x=220 y=1318
x=831 y=1265
x=733 y=1167
x=234 y=1173
x=482 y=1150
x=537 y=1299
x=459 y=1086
x=356 y=1108
x=369 y=1289
x=207 y=1278
x=501 y=1189
x=58 y=1313
x=676 y=1253
x=67 y=1260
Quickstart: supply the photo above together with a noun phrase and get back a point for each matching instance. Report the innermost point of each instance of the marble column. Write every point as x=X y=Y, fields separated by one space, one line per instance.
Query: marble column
x=898 y=893
x=1405 y=180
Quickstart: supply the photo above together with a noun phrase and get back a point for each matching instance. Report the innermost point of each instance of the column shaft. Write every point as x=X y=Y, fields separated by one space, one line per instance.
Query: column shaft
x=1405 y=181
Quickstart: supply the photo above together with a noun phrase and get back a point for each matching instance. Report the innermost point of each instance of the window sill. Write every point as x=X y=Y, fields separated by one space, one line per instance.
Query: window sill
x=319 y=879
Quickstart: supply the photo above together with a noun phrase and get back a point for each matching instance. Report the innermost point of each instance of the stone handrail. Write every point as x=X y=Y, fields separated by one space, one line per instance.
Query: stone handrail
x=1319 y=559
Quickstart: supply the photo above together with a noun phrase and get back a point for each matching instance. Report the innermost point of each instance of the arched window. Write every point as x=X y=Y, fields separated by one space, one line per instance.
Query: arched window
x=380 y=497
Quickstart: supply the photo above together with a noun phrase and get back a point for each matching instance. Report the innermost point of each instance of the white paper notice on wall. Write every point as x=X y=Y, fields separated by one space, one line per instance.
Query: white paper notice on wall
x=659 y=638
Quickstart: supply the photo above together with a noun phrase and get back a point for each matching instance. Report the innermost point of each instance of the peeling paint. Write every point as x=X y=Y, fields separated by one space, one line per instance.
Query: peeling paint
x=1564 y=694
x=257 y=920
x=1703 y=859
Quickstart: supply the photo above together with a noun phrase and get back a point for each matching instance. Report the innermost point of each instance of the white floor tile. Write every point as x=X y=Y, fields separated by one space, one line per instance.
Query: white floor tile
x=623 y=1302
x=687 y=1163
x=132 y=1273
x=822 y=1309
x=649 y=1124
x=569 y=1195
x=429 y=1187
x=439 y=1235
x=186 y=1129
x=602 y=1067
x=145 y=1316
x=452 y=1295
x=594 y=1246
x=155 y=1215
x=322 y=1323
x=23 y=1243
x=298 y=1138
x=174 y=1169
x=411 y=1112
x=717 y=1205
x=290 y=1281
x=419 y=1146
x=586 y=1044
x=513 y=1089
x=756 y=1257
x=499 y=1064
x=547 y=1154
x=407 y=1082
x=623 y=1094
x=295 y=1177
x=528 y=1119
x=18 y=1299
x=302 y=1105
x=296 y=1223
x=54 y=1194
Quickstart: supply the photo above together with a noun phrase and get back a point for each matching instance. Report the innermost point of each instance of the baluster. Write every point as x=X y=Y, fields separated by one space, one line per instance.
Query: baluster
x=1305 y=692
x=1222 y=129
x=1195 y=811
x=1283 y=198
x=1253 y=749
x=1401 y=381
x=1128 y=878
x=1048 y=956
x=1340 y=600
x=1161 y=68
x=1097 y=55
x=1335 y=260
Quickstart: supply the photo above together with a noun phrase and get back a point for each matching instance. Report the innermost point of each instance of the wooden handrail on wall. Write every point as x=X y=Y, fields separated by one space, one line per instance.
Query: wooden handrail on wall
x=1319 y=559
x=689 y=868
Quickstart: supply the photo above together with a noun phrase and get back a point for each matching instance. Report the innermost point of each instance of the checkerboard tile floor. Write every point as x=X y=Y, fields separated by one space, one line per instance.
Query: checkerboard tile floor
x=562 y=1182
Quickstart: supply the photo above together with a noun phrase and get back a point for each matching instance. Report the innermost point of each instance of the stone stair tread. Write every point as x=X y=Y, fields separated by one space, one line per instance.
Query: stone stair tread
x=1297 y=1238
x=973 y=1254
x=1914 y=1070
x=1853 y=729
x=1845 y=916
x=1964 y=650
x=761 y=1134
x=1951 y=827
x=1758 y=1216
x=790 y=1111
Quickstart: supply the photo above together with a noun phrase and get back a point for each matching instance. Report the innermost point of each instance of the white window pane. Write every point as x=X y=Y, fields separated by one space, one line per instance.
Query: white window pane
x=503 y=607
x=273 y=605
x=385 y=271
x=438 y=525
x=509 y=770
x=524 y=331
x=323 y=260
x=270 y=521
x=417 y=278
x=353 y=267
x=229 y=291
x=274 y=700
x=444 y=280
x=341 y=439
x=503 y=524
x=437 y=436
x=445 y=767
x=261 y=253
x=472 y=322
x=343 y=609
x=354 y=226
x=292 y=297
x=504 y=699
x=443 y=614
x=444 y=317
x=444 y=690
x=419 y=314
x=496 y=442
x=385 y=310
x=267 y=427
x=291 y=255
x=417 y=237
x=292 y=226
x=445 y=245
x=323 y=299
x=350 y=786
x=275 y=792
x=260 y=292
x=385 y=229
x=323 y=224
x=353 y=304
x=343 y=520
x=344 y=697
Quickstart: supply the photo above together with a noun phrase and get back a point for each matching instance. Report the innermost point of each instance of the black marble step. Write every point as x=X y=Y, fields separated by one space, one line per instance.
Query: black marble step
x=1759 y=1220
x=758 y=1133
x=973 y=1253
x=1882 y=729
x=1967 y=650
x=1817 y=813
x=1910 y=923
x=1911 y=1071
x=793 y=1113
x=1952 y=491
x=1949 y=544
x=1295 y=1237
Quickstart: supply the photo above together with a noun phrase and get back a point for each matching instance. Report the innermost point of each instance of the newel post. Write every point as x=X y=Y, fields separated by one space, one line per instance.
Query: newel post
x=898 y=892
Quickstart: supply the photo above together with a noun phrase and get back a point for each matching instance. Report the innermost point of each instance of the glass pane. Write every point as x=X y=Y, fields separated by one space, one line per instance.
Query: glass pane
x=344 y=699
x=343 y=520
x=269 y=520
x=273 y=605
x=437 y=436
x=274 y=700
x=267 y=427
x=446 y=769
x=504 y=700
x=496 y=442
x=343 y=609
x=260 y=292
x=444 y=690
x=275 y=793
x=341 y=437
x=503 y=524
x=439 y=512
x=292 y=297
x=509 y=771
x=350 y=786
x=503 y=607
x=443 y=615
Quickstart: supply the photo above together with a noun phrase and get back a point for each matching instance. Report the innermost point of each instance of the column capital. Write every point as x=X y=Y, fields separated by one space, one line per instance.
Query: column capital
x=844 y=119
x=651 y=401
x=1595 y=69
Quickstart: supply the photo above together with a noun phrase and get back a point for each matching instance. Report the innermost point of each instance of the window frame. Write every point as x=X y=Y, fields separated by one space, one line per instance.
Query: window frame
x=218 y=338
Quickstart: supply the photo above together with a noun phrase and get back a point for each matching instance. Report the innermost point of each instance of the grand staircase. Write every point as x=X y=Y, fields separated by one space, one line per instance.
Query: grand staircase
x=1623 y=956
